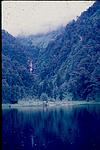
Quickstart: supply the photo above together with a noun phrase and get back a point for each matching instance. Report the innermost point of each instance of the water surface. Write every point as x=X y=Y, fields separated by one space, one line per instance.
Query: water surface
x=64 y=128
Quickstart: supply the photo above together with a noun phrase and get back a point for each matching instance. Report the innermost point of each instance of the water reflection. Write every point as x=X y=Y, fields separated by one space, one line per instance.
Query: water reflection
x=66 y=128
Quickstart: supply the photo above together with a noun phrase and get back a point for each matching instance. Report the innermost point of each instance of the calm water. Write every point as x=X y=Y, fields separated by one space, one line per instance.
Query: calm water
x=64 y=128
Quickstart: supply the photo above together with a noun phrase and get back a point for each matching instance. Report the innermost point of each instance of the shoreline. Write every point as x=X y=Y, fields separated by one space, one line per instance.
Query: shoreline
x=49 y=104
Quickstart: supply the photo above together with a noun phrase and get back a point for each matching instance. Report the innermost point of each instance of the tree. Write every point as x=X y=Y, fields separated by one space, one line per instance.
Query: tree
x=49 y=90
x=44 y=97
x=58 y=80
x=61 y=95
x=40 y=89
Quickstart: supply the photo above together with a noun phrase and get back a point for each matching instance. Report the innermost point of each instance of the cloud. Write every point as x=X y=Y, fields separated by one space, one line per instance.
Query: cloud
x=32 y=17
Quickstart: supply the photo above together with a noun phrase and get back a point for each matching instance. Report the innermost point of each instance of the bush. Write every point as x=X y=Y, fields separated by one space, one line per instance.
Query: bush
x=44 y=97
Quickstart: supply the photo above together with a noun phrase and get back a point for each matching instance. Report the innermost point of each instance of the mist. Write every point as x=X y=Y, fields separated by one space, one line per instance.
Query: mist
x=33 y=17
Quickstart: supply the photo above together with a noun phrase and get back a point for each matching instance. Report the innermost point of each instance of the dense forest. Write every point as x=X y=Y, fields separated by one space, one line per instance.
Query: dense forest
x=62 y=64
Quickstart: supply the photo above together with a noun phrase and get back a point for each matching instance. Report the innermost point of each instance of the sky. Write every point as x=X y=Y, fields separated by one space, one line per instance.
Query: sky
x=33 y=17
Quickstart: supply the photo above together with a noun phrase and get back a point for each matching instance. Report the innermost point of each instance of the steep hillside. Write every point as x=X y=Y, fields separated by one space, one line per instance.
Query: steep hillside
x=40 y=40
x=65 y=66
x=17 y=80
x=72 y=61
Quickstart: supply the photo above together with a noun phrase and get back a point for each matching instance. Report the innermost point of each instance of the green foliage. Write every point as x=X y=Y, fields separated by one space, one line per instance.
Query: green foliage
x=67 y=59
x=44 y=97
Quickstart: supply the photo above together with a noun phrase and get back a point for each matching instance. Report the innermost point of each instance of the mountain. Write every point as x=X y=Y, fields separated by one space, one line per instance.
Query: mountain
x=65 y=63
x=72 y=61
x=16 y=77
x=40 y=40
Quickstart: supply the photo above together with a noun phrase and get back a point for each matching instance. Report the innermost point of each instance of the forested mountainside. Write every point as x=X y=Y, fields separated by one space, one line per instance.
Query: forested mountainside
x=16 y=77
x=40 y=40
x=64 y=64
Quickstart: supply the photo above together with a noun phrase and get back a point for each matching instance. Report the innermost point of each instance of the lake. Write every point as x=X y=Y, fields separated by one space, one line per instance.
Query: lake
x=65 y=128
